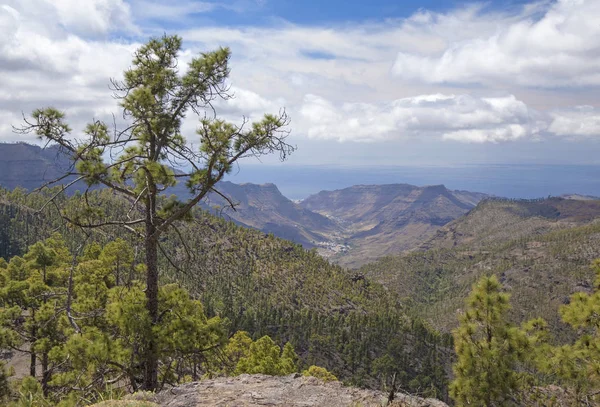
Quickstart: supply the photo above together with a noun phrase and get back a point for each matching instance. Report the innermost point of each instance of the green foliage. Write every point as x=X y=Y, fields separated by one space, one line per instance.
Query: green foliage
x=261 y=356
x=488 y=350
x=578 y=364
x=88 y=332
x=156 y=95
x=288 y=360
x=319 y=373
x=30 y=394
x=259 y=284
x=5 y=390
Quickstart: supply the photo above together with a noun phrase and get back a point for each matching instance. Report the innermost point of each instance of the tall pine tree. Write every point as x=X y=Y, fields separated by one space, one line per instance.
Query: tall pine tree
x=138 y=162
x=488 y=350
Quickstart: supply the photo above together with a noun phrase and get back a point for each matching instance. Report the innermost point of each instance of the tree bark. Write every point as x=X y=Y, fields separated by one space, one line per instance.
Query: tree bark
x=45 y=374
x=151 y=246
x=32 y=363
x=33 y=360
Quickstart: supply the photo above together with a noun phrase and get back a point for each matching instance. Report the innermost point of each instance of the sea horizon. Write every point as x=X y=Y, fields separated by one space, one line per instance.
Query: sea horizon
x=524 y=181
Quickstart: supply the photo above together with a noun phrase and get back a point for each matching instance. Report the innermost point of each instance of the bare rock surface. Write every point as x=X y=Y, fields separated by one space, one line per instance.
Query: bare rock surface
x=289 y=391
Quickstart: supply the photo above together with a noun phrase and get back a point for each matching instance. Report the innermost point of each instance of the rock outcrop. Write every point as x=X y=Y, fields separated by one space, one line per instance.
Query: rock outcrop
x=288 y=391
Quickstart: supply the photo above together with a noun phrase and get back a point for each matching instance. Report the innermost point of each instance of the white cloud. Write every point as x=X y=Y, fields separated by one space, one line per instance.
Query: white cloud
x=61 y=53
x=583 y=121
x=460 y=118
x=560 y=48
x=246 y=102
x=92 y=17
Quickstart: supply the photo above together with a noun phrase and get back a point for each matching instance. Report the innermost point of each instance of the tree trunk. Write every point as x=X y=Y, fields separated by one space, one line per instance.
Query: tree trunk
x=32 y=363
x=151 y=246
x=33 y=360
x=45 y=374
x=117 y=273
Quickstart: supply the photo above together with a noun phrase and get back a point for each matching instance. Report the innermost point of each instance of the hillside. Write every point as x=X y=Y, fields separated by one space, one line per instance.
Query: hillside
x=29 y=166
x=351 y=226
x=388 y=219
x=541 y=251
x=499 y=220
x=263 y=207
x=267 y=286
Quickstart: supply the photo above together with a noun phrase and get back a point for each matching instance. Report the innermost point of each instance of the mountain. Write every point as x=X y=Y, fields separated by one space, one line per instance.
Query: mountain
x=263 y=285
x=29 y=166
x=351 y=226
x=388 y=219
x=540 y=250
x=263 y=207
x=495 y=221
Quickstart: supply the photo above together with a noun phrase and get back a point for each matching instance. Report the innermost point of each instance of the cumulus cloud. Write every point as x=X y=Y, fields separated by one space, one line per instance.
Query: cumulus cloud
x=246 y=102
x=92 y=17
x=61 y=53
x=551 y=46
x=453 y=117
x=583 y=121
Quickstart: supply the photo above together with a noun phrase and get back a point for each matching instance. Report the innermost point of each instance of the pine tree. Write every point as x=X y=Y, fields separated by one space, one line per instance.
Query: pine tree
x=31 y=298
x=89 y=334
x=288 y=360
x=578 y=363
x=156 y=97
x=488 y=350
x=262 y=356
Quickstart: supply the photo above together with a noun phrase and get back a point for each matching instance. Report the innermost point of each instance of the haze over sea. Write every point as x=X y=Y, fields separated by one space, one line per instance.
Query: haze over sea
x=510 y=180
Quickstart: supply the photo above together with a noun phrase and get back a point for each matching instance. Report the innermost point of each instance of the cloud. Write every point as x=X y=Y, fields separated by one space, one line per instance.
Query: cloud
x=246 y=102
x=554 y=45
x=92 y=17
x=583 y=121
x=171 y=11
x=453 y=117
x=366 y=75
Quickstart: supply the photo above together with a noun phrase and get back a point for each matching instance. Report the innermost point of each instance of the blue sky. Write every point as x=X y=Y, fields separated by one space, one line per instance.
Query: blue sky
x=315 y=12
x=369 y=83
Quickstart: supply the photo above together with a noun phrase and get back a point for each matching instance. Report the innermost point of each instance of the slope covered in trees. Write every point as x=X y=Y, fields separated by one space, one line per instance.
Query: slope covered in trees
x=502 y=364
x=350 y=226
x=540 y=251
x=334 y=318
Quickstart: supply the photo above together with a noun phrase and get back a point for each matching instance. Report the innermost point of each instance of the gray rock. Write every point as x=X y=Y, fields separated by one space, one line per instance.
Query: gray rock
x=289 y=391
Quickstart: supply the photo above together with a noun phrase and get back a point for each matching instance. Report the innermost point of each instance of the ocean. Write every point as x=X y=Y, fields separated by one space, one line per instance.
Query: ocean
x=511 y=181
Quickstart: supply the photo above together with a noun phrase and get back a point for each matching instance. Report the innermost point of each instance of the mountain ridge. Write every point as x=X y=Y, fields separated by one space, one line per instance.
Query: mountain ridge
x=389 y=218
x=350 y=226
x=541 y=250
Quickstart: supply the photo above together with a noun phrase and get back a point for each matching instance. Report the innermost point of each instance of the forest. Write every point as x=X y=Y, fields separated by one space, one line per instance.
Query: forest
x=120 y=288
x=237 y=280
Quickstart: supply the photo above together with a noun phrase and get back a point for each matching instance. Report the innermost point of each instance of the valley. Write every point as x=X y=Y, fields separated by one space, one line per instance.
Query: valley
x=276 y=203
x=350 y=226
x=392 y=264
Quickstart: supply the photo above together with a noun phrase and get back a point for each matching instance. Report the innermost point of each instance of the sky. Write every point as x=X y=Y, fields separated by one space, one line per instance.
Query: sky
x=376 y=82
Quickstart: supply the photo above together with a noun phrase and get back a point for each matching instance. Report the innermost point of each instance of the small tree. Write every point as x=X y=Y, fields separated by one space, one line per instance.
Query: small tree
x=488 y=349
x=578 y=363
x=32 y=295
x=137 y=162
x=262 y=356
x=320 y=373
